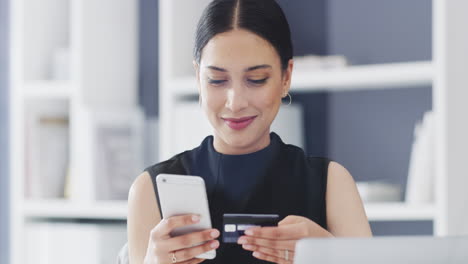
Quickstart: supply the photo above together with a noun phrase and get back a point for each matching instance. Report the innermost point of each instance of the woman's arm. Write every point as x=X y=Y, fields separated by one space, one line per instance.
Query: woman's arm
x=345 y=211
x=143 y=216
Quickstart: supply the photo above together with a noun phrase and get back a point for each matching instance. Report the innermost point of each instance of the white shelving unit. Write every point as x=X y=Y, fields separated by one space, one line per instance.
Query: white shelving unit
x=101 y=37
x=445 y=73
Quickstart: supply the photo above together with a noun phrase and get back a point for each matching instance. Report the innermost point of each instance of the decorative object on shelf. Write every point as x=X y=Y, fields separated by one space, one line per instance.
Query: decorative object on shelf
x=47 y=148
x=119 y=150
x=379 y=191
x=420 y=185
x=315 y=62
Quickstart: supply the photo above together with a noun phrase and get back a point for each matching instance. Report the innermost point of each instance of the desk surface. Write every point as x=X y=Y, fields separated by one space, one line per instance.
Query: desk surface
x=383 y=250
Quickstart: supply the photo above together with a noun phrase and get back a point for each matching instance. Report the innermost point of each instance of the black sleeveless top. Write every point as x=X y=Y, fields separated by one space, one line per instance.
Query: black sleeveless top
x=278 y=179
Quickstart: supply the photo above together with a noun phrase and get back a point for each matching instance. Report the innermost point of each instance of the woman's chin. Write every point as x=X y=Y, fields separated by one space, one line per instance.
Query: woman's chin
x=238 y=138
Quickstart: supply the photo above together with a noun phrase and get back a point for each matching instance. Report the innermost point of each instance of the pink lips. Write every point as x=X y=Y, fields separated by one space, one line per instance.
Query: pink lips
x=239 y=123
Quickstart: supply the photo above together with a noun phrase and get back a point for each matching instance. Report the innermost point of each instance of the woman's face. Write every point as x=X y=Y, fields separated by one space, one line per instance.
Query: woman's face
x=241 y=84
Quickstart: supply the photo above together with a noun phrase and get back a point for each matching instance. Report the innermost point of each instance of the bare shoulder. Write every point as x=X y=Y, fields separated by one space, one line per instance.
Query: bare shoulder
x=339 y=179
x=143 y=216
x=345 y=211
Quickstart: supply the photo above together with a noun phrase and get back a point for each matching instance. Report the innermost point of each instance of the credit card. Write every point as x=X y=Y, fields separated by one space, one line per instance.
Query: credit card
x=234 y=225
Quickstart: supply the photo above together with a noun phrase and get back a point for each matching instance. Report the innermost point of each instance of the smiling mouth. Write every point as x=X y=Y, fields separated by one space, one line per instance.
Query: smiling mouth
x=239 y=123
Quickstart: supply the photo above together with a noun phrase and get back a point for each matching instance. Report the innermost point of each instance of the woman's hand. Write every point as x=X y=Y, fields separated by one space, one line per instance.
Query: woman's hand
x=162 y=248
x=277 y=244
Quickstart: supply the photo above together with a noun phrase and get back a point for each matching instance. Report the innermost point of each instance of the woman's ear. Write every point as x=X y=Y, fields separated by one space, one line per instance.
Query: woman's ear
x=287 y=76
x=196 y=67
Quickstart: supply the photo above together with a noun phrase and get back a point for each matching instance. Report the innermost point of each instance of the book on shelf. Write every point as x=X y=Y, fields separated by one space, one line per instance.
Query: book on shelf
x=420 y=184
x=46 y=149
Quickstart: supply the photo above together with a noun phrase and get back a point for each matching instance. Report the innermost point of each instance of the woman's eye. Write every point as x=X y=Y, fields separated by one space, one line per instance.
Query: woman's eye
x=258 y=81
x=216 y=82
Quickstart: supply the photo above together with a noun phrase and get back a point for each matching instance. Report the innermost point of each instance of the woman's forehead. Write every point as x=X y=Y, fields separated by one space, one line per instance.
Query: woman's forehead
x=238 y=49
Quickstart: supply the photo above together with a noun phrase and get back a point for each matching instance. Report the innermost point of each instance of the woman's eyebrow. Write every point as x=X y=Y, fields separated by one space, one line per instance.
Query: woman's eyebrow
x=253 y=68
x=216 y=68
x=262 y=66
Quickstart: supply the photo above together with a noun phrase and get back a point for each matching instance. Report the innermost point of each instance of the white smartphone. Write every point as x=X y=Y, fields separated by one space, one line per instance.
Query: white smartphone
x=184 y=194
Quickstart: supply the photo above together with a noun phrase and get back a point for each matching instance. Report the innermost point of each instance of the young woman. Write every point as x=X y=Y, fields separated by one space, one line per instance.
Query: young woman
x=243 y=63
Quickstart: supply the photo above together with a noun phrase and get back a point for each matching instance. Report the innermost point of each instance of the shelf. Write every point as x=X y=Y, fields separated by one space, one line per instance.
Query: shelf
x=48 y=89
x=117 y=210
x=378 y=76
x=360 y=77
x=399 y=211
x=64 y=209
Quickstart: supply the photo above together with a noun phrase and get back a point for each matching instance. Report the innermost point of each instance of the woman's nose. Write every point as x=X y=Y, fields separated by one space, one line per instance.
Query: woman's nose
x=236 y=99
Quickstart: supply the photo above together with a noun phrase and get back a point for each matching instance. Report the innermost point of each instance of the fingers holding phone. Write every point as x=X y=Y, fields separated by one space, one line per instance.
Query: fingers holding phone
x=167 y=226
x=184 y=196
x=165 y=248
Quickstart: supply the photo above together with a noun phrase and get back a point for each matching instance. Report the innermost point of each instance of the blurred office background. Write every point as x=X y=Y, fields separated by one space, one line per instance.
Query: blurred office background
x=4 y=149
x=112 y=109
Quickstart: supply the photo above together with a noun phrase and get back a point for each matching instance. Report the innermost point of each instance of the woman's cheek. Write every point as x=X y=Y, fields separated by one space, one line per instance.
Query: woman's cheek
x=214 y=105
x=268 y=100
x=270 y=106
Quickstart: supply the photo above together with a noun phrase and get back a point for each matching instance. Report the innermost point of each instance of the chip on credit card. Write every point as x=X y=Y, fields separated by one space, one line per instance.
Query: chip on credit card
x=234 y=225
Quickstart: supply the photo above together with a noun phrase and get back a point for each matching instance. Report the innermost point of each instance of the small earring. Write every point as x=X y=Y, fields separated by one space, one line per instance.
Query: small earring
x=290 y=98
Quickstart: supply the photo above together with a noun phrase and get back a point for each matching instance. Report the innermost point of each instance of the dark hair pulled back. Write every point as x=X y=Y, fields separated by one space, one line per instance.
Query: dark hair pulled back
x=264 y=18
